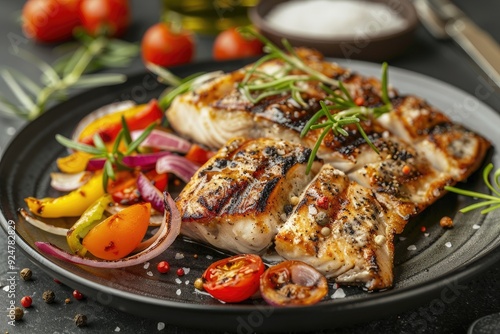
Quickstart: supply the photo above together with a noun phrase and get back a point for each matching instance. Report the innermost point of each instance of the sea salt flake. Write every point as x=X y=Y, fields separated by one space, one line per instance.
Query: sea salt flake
x=186 y=282
x=5 y=288
x=186 y=270
x=402 y=238
x=161 y=326
x=178 y=280
x=426 y=234
x=209 y=257
x=476 y=226
x=339 y=293
x=312 y=210
x=178 y=292
x=117 y=329
x=146 y=265
x=448 y=244
x=149 y=273
x=179 y=256
x=412 y=248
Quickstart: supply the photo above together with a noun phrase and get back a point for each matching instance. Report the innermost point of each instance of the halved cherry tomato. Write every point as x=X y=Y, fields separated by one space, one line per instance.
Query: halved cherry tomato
x=233 y=279
x=108 y=126
x=293 y=283
x=198 y=154
x=50 y=21
x=230 y=44
x=118 y=235
x=163 y=46
x=124 y=191
x=111 y=17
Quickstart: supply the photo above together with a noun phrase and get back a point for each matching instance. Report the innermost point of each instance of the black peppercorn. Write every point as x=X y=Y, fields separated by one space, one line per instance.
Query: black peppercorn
x=26 y=274
x=80 y=320
x=49 y=296
x=18 y=313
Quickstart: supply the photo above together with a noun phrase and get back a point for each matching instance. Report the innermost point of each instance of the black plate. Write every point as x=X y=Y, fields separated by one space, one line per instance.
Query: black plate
x=432 y=270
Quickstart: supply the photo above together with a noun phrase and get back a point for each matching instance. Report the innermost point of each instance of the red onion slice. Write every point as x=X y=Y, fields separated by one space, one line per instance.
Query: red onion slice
x=101 y=112
x=42 y=225
x=150 y=193
x=69 y=182
x=177 y=165
x=166 y=236
x=144 y=160
x=163 y=140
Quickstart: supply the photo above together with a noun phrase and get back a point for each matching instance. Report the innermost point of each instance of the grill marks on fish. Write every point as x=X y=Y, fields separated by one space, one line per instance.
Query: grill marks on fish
x=243 y=193
x=356 y=247
x=241 y=199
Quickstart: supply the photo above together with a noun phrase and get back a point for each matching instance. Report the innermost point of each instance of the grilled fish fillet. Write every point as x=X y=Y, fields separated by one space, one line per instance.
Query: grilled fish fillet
x=340 y=228
x=238 y=200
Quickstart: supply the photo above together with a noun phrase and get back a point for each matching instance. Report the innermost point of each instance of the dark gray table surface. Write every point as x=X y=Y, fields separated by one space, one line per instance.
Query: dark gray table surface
x=438 y=59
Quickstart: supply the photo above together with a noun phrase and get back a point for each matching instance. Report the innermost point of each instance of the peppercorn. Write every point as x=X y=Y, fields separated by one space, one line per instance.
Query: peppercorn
x=321 y=218
x=26 y=274
x=180 y=272
x=195 y=256
x=446 y=222
x=163 y=267
x=77 y=295
x=80 y=320
x=26 y=301
x=198 y=283
x=67 y=301
x=49 y=296
x=18 y=313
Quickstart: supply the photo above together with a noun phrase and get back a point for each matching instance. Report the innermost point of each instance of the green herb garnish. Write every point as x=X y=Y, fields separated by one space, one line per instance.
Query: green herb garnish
x=491 y=202
x=114 y=158
x=69 y=72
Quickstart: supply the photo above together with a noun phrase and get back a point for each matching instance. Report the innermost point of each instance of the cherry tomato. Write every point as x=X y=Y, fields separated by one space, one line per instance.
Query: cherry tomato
x=50 y=21
x=111 y=17
x=293 y=283
x=118 y=235
x=198 y=154
x=233 y=279
x=165 y=47
x=230 y=44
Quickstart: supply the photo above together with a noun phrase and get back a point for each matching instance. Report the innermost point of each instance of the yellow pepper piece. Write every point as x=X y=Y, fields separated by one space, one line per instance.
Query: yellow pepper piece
x=73 y=204
x=74 y=163
x=102 y=122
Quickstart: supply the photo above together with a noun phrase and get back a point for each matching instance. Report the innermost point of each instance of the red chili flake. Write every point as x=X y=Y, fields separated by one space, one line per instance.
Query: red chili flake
x=26 y=301
x=77 y=294
x=163 y=267
x=57 y=281
x=406 y=169
x=423 y=229
x=359 y=101
x=322 y=202
x=180 y=272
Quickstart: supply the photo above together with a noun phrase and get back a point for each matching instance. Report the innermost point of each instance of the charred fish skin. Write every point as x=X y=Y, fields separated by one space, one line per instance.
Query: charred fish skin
x=242 y=195
x=340 y=228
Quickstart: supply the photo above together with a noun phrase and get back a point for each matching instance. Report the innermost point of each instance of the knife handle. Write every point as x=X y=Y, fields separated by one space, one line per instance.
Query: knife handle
x=480 y=46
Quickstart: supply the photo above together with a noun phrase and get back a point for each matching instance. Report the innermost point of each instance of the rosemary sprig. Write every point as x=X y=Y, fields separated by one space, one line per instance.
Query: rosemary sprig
x=346 y=112
x=490 y=202
x=69 y=72
x=114 y=158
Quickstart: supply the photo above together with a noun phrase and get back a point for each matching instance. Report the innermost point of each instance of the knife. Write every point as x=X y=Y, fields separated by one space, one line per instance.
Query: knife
x=445 y=20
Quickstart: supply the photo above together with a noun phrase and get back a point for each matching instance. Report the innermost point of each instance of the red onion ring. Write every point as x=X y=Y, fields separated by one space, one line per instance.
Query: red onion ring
x=177 y=165
x=150 y=193
x=163 y=140
x=166 y=236
x=144 y=160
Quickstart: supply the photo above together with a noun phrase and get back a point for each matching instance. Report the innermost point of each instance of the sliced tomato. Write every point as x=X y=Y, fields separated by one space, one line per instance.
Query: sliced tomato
x=109 y=126
x=293 y=283
x=233 y=279
x=124 y=191
x=198 y=154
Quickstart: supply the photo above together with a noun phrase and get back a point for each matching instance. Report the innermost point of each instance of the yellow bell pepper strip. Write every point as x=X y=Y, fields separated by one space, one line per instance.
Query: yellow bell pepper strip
x=74 y=163
x=118 y=235
x=72 y=204
x=90 y=218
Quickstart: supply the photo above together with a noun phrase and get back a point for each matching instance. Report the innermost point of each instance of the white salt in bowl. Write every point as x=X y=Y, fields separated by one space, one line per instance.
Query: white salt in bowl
x=375 y=30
